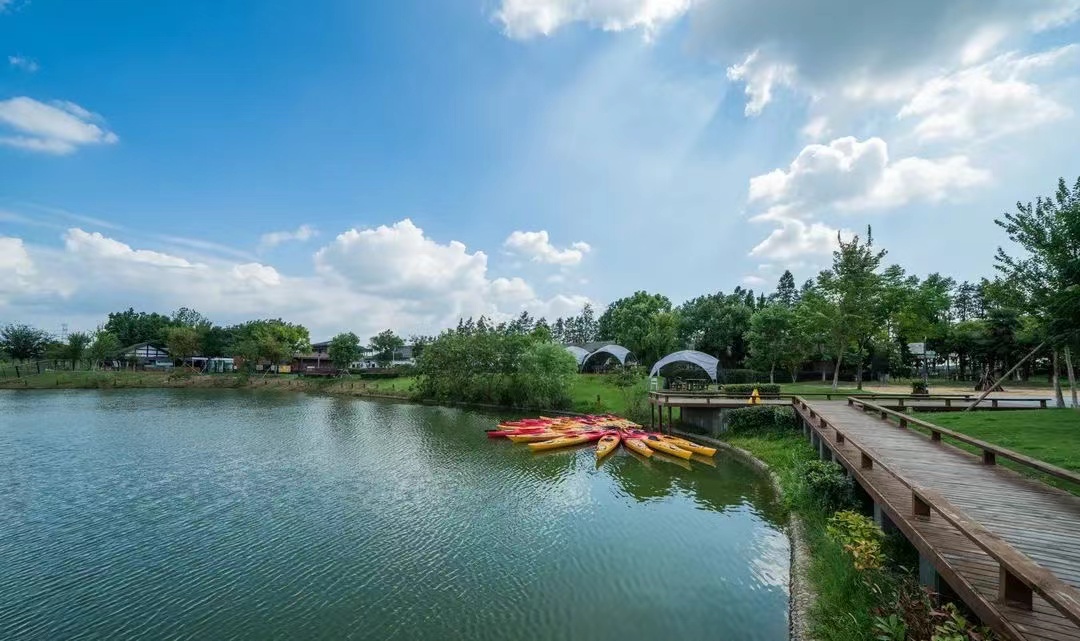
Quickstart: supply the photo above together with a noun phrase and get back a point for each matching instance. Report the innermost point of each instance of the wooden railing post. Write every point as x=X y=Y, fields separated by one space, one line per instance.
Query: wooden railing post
x=919 y=508
x=935 y=435
x=903 y=422
x=989 y=458
x=867 y=462
x=850 y=401
x=839 y=437
x=1042 y=403
x=1012 y=591
x=948 y=402
x=993 y=403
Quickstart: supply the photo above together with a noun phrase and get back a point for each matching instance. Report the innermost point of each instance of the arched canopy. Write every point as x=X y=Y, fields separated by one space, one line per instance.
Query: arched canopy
x=579 y=353
x=701 y=359
x=620 y=353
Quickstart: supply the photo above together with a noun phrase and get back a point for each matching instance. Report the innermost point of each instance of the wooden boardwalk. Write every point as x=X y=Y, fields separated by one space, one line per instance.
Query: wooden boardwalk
x=1007 y=545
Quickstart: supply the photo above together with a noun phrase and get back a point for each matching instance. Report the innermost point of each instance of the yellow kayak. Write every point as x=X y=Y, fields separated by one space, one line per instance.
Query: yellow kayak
x=606 y=445
x=638 y=445
x=690 y=445
x=667 y=448
x=534 y=438
x=562 y=441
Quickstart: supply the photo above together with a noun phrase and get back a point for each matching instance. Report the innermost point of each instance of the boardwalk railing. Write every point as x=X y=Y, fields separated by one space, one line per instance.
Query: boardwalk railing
x=1019 y=575
x=948 y=399
x=990 y=452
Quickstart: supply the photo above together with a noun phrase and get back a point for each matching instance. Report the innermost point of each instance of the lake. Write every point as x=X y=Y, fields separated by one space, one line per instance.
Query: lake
x=228 y=514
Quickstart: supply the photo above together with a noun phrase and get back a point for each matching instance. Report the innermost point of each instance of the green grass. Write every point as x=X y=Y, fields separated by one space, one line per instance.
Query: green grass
x=843 y=605
x=1051 y=435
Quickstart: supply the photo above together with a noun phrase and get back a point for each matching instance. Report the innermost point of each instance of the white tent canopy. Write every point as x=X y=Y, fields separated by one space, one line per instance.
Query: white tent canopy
x=620 y=353
x=706 y=362
x=579 y=353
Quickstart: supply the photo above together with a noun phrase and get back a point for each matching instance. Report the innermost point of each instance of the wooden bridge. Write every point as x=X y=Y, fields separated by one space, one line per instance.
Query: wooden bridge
x=1007 y=545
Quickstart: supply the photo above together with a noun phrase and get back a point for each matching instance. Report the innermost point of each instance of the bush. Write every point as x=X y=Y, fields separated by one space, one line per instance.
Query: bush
x=760 y=420
x=748 y=388
x=738 y=376
x=860 y=537
x=919 y=387
x=824 y=484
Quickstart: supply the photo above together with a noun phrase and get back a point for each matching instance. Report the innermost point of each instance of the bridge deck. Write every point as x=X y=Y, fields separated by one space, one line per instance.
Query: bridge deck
x=1039 y=521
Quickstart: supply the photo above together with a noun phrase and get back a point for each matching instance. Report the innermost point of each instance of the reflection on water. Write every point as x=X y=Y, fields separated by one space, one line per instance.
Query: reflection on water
x=210 y=514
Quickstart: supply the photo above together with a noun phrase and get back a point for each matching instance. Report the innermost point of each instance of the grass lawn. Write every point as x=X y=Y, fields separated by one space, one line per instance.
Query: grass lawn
x=1051 y=435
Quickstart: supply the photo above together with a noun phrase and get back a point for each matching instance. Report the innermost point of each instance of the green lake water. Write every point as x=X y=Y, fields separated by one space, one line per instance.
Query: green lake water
x=173 y=514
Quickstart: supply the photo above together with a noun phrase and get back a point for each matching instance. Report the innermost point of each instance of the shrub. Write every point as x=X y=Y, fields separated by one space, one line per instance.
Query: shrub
x=919 y=387
x=860 y=537
x=748 y=388
x=825 y=485
x=760 y=420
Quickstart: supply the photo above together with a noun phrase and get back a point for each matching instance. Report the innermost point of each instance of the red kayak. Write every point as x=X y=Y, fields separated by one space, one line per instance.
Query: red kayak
x=516 y=430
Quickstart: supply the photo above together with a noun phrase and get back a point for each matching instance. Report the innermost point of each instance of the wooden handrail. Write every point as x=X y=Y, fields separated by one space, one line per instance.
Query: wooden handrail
x=1015 y=565
x=1019 y=575
x=990 y=452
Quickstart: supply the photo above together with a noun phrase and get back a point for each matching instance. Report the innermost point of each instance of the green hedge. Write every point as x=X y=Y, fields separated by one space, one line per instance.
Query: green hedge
x=750 y=421
x=748 y=388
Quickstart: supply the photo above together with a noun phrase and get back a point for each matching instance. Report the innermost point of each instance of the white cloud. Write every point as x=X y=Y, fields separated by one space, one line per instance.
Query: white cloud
x=816 y=129
x=988 y=100
x=275 y=238
x=57 y=128
x=91 y=274
x=852 y=175
x=796 y=239
x=530 y=18
x=537 y=246
x=760 y=77
x=28 y=65
x=95 y=245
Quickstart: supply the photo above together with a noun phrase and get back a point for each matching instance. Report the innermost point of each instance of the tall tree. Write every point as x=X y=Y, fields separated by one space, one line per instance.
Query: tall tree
x=629 y=321
x=852 y=288
x=772 y=337
x=23 y=342
x=344 y=350
x=385 y=343
x=75 y=351
x=786 y=294
x=1048 y=231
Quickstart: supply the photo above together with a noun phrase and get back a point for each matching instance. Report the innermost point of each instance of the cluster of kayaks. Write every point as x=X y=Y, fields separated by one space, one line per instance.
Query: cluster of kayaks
x=607 y=431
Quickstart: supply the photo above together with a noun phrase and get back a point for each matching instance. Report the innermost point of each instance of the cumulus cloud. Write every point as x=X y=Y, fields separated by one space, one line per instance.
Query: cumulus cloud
x=987 y=100
x=796 y=239
x=530 y=18
x=28 y=65
x=536 y=245
x=275 y=238
x=58 y=128
x=848 y=174
x=412 y=284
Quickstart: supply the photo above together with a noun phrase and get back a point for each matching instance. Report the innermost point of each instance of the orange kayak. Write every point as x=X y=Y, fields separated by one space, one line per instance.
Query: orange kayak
x=661 y=445
x=606 y=445
x=535 y=438
x=689 y=445
x=562 y=441
x=638 y=445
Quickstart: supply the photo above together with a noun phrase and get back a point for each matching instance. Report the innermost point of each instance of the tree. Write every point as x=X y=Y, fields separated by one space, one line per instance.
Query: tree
x=182 y=342
x=187 y=317
x=23 y=342
x=853 y=289
x=786 y=293
x=132 y=327
x=1048 y=231
x=75 y=349
x=545 y=375
x=104 y=347
x=629 y=322
x=344 y=350
x=772 y=336
x=384 y=344
x=716 y=324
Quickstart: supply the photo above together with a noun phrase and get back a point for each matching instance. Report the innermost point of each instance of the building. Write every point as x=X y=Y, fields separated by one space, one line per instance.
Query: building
x=146 y=355
x=318 y=358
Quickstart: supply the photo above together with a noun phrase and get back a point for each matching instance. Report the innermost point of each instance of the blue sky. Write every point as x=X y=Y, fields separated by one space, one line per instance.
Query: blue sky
x=369 y=165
